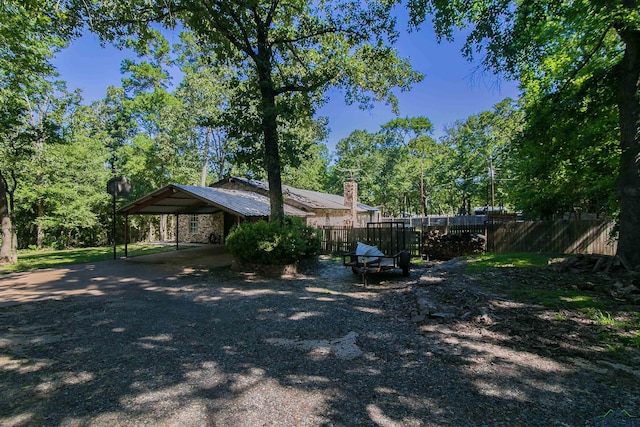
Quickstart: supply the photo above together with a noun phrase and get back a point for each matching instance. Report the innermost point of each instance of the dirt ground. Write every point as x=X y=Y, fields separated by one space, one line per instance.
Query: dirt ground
x=154 y=341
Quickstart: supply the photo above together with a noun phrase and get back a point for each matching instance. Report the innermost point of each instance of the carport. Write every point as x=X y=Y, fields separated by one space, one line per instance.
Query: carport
x=177 y=199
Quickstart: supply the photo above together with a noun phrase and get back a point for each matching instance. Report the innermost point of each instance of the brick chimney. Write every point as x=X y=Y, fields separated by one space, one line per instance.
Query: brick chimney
x=351 y=199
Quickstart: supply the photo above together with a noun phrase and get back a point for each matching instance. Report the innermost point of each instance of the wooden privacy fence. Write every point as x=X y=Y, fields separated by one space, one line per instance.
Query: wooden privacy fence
x=344 y=239
x=561 y=236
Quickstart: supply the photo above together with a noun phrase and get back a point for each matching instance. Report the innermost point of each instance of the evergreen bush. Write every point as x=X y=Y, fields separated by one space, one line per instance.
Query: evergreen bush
x=272 y=243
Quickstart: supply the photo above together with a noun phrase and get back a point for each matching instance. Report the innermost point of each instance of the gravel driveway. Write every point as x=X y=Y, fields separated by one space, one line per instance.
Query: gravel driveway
x=121 y=343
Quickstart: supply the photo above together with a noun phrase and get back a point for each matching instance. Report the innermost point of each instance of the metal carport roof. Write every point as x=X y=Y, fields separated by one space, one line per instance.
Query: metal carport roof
x=191 y=199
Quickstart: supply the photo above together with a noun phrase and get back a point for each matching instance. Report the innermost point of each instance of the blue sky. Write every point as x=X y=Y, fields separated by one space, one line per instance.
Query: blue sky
x=453 y=88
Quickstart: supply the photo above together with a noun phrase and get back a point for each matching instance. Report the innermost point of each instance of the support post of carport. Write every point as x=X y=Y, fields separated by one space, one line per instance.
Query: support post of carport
x=113 y=228
x=126 y=236
x=177 y=231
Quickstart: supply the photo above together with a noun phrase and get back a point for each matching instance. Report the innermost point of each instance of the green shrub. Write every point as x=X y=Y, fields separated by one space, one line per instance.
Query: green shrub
x=272 y=243
x=310 y=236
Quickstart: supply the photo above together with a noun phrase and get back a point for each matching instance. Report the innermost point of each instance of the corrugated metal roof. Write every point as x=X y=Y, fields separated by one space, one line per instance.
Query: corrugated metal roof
x=191 y=199
x=323 y=200
x=309 y=198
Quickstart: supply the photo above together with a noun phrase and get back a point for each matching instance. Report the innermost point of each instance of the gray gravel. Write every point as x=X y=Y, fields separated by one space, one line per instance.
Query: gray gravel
x=219 y=348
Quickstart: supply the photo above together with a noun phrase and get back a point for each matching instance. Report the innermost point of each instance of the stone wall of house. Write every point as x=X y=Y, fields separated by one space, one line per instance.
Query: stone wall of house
x=328 y=218
x=206 y=225
x=340 y=218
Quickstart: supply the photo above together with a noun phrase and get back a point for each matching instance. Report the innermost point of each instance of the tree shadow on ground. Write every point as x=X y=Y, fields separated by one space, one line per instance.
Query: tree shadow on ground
x=543 y=355
x=207 y=349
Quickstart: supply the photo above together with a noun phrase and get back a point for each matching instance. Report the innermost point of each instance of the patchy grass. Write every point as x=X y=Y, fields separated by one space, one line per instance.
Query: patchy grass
x=561 y=297
x=559 y=317
x=619 y=325
x=619 y=332
x=513 y=260
x=569 y=294
x=33 y=260
x=606 y=319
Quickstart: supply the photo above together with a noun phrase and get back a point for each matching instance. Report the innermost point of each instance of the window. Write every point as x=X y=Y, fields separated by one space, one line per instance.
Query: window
x=193 y=224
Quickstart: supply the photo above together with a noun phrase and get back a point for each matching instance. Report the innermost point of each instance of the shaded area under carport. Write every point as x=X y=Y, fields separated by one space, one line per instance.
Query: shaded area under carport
x=194 y=257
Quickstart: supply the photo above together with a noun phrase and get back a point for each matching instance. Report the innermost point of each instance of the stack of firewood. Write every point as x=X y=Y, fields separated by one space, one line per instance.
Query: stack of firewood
x=436 y=245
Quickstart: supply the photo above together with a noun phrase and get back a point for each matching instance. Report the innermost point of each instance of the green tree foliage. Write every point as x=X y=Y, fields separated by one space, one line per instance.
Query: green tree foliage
x=69 y=204
x=311 y=171
x=434 y=161
x=30 y=32
x=404 y=170
x=159 y=151
x=373 y=158
x=113 y=124
x=205 y=93
x=556 y=48
x=414 y=134
x=481 y=155
x=395 y=167
x=290 y=51
x=578 y=134
x=147 y=128
x=50 y=200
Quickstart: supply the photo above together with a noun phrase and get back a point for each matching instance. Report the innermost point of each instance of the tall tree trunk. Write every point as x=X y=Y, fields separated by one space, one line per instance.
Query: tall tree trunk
x=205 y=160
x=629 y=179
x=151 y=236
x=221 y=154
x=163 y=227
x=8 y=252
x=423 y=204
x=38 y=113
x=39 y=228
x=270 y=129
x=272 y=163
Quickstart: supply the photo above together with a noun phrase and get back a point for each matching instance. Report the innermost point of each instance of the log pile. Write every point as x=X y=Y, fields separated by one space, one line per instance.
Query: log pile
x=436 y=245
x=583 y=263
x=614 y=274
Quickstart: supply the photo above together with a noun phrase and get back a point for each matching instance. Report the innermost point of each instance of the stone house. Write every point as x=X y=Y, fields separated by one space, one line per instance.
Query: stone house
x=207 y=214
x=329 y=210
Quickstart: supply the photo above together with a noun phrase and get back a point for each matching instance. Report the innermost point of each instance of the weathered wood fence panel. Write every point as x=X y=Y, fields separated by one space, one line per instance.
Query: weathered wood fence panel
x=562 y=236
